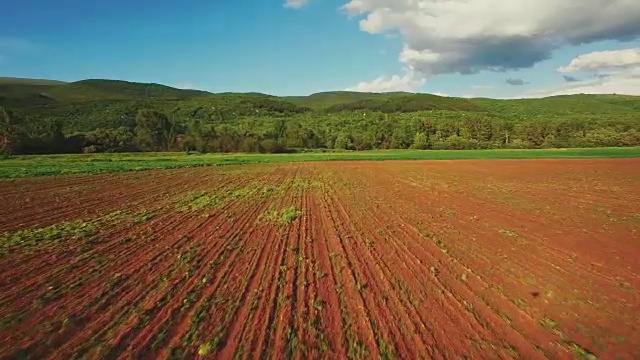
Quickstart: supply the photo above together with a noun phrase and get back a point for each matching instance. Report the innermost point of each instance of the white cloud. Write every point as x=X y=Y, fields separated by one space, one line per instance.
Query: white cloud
x=468 y=36
x=604 y=60
x=441 y=94
x=615 y=72
x=295 y=4
x=185 y=86
x=410 y=82
x=627 y=83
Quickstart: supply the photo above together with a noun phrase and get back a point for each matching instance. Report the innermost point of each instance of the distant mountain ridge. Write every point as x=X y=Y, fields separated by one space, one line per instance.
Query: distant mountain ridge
x=333 y=101
x=92 y=103
x=26 y=81
x=105 y=115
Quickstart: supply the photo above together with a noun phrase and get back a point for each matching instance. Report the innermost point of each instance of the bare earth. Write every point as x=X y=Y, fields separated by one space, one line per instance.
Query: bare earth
x=524 y=259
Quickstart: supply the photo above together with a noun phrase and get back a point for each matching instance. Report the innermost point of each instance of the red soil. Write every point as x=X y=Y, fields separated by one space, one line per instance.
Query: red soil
x=483 y=259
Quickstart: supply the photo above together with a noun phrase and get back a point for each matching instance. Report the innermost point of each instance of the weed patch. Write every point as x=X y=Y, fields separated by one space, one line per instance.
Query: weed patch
x=31 y=237
x=198 y=201
x=281 y=217
x=579 y=352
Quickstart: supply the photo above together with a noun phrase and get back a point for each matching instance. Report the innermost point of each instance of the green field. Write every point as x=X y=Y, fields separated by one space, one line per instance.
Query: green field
x=44 y=165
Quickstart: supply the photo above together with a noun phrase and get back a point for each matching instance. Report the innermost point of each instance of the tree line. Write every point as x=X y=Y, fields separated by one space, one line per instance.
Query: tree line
x=153 y=130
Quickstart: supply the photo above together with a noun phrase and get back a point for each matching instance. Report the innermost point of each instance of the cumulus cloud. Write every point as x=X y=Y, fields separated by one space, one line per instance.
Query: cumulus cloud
x=614 y=72
x=295 y=4
x=516 y=82
x=468 y=36
x=568 y=78
x=604 y=60
x=410 y=82
x=627 y=83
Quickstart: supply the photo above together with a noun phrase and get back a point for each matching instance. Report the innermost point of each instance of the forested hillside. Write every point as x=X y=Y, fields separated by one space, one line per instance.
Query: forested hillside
x=41 y=116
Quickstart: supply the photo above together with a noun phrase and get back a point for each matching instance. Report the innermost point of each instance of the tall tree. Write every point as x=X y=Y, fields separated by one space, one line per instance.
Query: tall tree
x=155 y=131
x=420 y=141
x=200 y=136
x=8 y=134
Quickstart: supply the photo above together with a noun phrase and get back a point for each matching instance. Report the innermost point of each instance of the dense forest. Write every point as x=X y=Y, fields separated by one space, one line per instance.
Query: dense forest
x=43 y=117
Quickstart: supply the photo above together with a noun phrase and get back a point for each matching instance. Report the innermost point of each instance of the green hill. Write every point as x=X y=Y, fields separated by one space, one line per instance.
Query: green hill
x=47 y=97
x=18 y=93
x=24 y=81
x=94 y=90
x=89 y=104
x=328 y=99
x=25 y=92
x=581 y=105
x=396 y=103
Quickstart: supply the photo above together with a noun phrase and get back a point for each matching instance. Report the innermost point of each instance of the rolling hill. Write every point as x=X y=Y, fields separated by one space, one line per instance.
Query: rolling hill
x=87 y=104
x=328 y=99
x=25 y=81
x=89 y=90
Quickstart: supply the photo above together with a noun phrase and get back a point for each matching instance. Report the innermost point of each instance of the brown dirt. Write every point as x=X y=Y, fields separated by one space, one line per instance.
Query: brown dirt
x=417 y=259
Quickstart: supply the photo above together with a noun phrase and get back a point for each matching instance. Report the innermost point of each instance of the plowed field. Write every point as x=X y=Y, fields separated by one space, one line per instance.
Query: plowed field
x=523 y=259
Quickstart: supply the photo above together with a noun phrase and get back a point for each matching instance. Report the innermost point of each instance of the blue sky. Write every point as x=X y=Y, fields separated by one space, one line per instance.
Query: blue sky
x=317 y=45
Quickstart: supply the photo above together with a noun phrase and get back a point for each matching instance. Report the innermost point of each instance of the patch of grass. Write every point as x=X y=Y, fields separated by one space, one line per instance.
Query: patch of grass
x=204 y=349
x=508 y=233
x=142 y=217
x=549 y=324
x=198 y=318
x=387 y=352
x=292 y=344
x=506 y=317
x=46 y=165
x=513 y=352
x=201 y=200
x=214 y=345
x=31 y=237
x=79 y=230
x=289 y=214
x=285 y=216
x=198 y=201
x=357 y=349
x=441 y=245
x=579 y=352
x=521 y=304
x=319 y=304
x=361 y=286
